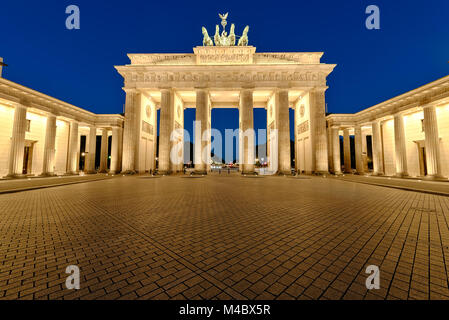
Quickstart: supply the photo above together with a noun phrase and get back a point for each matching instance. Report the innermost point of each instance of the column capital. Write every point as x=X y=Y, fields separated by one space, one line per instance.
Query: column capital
x=281 y=90
x=130 y=90
x=54 y=114
x=427 y=106
x=20 y=104
x=397 y=113
x=319 y=89
x=166 y=89
x=51 y=114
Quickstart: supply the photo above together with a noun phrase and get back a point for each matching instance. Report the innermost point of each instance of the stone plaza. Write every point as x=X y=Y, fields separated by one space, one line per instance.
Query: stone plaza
x=223 y=237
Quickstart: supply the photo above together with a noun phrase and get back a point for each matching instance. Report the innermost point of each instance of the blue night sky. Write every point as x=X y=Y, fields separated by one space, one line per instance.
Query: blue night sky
x=411 y=49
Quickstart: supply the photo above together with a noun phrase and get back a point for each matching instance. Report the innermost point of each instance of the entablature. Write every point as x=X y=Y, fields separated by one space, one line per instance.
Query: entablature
x=12 y=93
x=225 y=76
x=435 y=93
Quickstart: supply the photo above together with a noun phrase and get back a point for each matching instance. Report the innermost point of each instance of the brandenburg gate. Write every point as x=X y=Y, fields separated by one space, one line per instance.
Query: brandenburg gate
x=226 y=72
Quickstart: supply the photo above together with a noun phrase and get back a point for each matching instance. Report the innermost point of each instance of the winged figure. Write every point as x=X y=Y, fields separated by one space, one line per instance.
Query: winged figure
x=224 y=16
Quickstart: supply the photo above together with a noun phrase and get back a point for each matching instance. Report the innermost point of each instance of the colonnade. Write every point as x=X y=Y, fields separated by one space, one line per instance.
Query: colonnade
x=432 y=145
x=202 y=143
x=16 y=154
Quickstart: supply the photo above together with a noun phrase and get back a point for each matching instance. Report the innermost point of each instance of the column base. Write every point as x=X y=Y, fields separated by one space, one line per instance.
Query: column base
x=16 y=176
x=401 y=175
x=47 y=175
x=250 y=173
x=199 y=172
x=72 y=173
x=338 y=173
x=321 y=173
x=434 y=177
x=164 y=173
x=129 y=172
x=284 y=173
x=379 y=174
x=91 y=172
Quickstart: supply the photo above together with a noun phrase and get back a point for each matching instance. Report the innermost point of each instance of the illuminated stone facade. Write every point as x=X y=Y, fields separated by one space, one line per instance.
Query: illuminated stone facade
x=40 y=135
x=226 y=77
x=408 y=135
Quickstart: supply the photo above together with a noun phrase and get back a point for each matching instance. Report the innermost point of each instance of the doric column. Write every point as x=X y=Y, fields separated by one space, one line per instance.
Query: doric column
x=116 y=132
x=400 y=146
x=49 y=147
x=120 y=150
x=358 y=149
x=347 y=150
x=247 y=131
x=330 y=148
x=130 y=136
x=167 y=114
x=104 y=151
x=378 y=163
x=365 y=151
x=336 y=149
x=201 y=154
x=319 y=133
x=295 y=137
x=18 y=141
x=433 y=158
x=283 y=126
x=91 y=153
x=73 y=158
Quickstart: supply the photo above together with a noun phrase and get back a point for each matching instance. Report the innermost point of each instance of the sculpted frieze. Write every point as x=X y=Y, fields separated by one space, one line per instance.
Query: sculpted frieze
x=221 y=76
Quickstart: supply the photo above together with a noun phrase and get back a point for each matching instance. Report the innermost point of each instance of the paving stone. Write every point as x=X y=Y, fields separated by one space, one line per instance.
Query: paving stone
x=223 y=238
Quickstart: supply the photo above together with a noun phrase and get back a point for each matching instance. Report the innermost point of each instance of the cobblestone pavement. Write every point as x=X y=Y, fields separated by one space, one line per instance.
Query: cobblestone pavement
x=223 y=238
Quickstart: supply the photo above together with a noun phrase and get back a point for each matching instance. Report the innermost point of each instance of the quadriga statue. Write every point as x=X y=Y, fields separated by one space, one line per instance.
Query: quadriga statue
x=224 y=39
